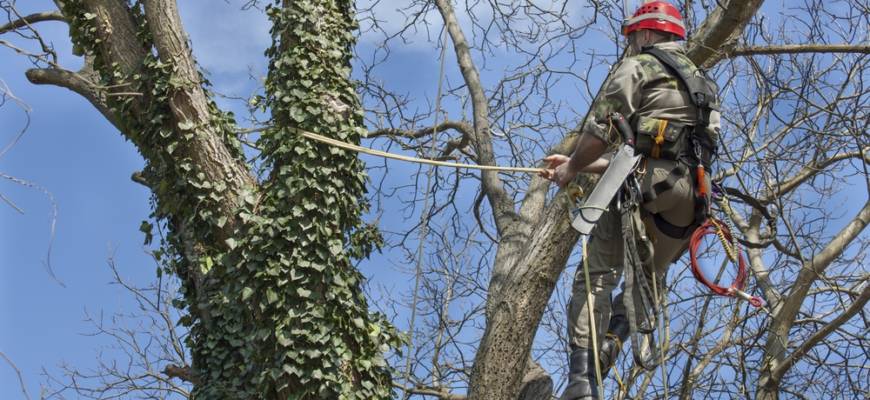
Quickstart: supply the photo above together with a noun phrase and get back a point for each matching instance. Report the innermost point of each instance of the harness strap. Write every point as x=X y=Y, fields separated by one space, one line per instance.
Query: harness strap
x=696 y=85
x=676 y=173
x=669 y=229
x=701 y=96
x=702 y=147
x=674 y=231
x=639 y=303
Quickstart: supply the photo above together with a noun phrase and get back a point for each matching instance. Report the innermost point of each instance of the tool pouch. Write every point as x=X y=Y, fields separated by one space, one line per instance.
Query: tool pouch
x=660 y=138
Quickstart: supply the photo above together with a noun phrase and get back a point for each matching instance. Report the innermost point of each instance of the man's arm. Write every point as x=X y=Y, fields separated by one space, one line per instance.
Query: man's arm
x=622 y=94
x=589 y=148
x=596 y=167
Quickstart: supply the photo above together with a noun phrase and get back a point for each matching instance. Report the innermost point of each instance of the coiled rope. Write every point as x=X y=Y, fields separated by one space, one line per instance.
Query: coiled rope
x=715 y=227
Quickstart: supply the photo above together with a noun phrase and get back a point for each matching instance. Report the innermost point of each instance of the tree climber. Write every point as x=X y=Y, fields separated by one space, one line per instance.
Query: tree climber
x=673 y=109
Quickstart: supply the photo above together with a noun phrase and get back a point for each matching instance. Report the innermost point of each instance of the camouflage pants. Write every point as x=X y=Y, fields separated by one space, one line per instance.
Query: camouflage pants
x=605 y=256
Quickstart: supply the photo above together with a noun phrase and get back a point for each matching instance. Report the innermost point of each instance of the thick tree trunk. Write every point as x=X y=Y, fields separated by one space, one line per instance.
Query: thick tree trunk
x=512 y=321
x=275 y=305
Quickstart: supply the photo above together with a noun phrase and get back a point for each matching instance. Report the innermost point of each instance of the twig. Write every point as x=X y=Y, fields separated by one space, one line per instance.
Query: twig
x=17 y=372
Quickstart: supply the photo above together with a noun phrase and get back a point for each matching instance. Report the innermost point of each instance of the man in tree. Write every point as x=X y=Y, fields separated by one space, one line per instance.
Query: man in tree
x=670 y=107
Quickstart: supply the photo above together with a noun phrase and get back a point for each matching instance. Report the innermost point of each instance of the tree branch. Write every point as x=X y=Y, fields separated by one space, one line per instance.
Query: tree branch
x=77 y=82
x=826 y=330
x=784 y=316
x=502 y=206
x=184 y=373
x=17 y=372
x=189 y=104
x=460 y=126
x=798 y=48
x=439 y=393
x=808 y=172
x=117 y=29
x=836 y=246
x=32 y=19
x=719 y=29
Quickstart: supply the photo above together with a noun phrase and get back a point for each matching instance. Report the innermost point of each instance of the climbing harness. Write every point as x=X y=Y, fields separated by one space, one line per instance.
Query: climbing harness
x=694 y=154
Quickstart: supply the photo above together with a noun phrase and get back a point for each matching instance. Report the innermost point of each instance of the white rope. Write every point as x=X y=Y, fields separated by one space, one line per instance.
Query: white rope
x=590 y=307
x=384 y=154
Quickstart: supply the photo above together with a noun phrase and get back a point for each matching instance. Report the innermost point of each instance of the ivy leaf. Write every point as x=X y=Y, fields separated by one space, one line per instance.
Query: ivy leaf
x=146 y=228
x=335 y=247
x=291 y=370
x=186 y=125
x=271 y=296
x=283 y=340
x=207 y=263
x=246 y=293
x=302 y=292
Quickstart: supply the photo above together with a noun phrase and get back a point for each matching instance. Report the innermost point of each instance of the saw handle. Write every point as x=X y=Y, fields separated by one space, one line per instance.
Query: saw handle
x=623 y=127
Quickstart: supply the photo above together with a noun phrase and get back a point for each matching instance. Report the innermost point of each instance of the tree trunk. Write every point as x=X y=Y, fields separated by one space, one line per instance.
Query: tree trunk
x=275 y=305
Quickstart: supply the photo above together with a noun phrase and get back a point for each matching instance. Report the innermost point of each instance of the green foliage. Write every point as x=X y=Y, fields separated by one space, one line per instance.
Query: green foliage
x=308 y=219
x=276 y=309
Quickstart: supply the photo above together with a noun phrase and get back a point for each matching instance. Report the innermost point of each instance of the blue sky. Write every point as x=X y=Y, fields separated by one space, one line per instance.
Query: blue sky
x=85 y=164
x=72 y=152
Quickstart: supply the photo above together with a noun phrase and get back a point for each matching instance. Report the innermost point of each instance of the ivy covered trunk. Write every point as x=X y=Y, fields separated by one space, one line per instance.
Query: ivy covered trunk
x=274 y=304
x=319 y=340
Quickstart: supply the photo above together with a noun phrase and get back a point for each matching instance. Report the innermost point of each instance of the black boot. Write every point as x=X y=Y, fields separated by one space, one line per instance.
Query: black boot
x=617 y=334
x=581 y=377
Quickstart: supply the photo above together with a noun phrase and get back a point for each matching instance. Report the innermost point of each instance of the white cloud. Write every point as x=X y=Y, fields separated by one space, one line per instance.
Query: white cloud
x=225 y=38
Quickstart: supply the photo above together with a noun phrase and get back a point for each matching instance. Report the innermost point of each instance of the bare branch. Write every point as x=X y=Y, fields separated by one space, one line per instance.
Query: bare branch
x=460 y=126
x=17 y=372
x=78 y=83
x=822 y=333
x=183 y=373
x=32 y=19
x=797 y=49
x=502 y=205
x=438 y=393
x=810 y=170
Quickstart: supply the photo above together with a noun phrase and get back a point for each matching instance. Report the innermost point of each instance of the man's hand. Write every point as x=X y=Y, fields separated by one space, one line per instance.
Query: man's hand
x=558 y=169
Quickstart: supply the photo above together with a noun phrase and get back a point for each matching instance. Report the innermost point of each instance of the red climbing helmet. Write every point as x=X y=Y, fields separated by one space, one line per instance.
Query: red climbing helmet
x=656 y=15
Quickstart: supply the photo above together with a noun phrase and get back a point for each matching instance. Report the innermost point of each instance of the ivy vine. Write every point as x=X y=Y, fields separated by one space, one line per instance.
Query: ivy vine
x=276 y=310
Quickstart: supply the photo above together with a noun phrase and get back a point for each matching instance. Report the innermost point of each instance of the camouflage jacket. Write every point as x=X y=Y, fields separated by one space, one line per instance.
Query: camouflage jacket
x=643 y=90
